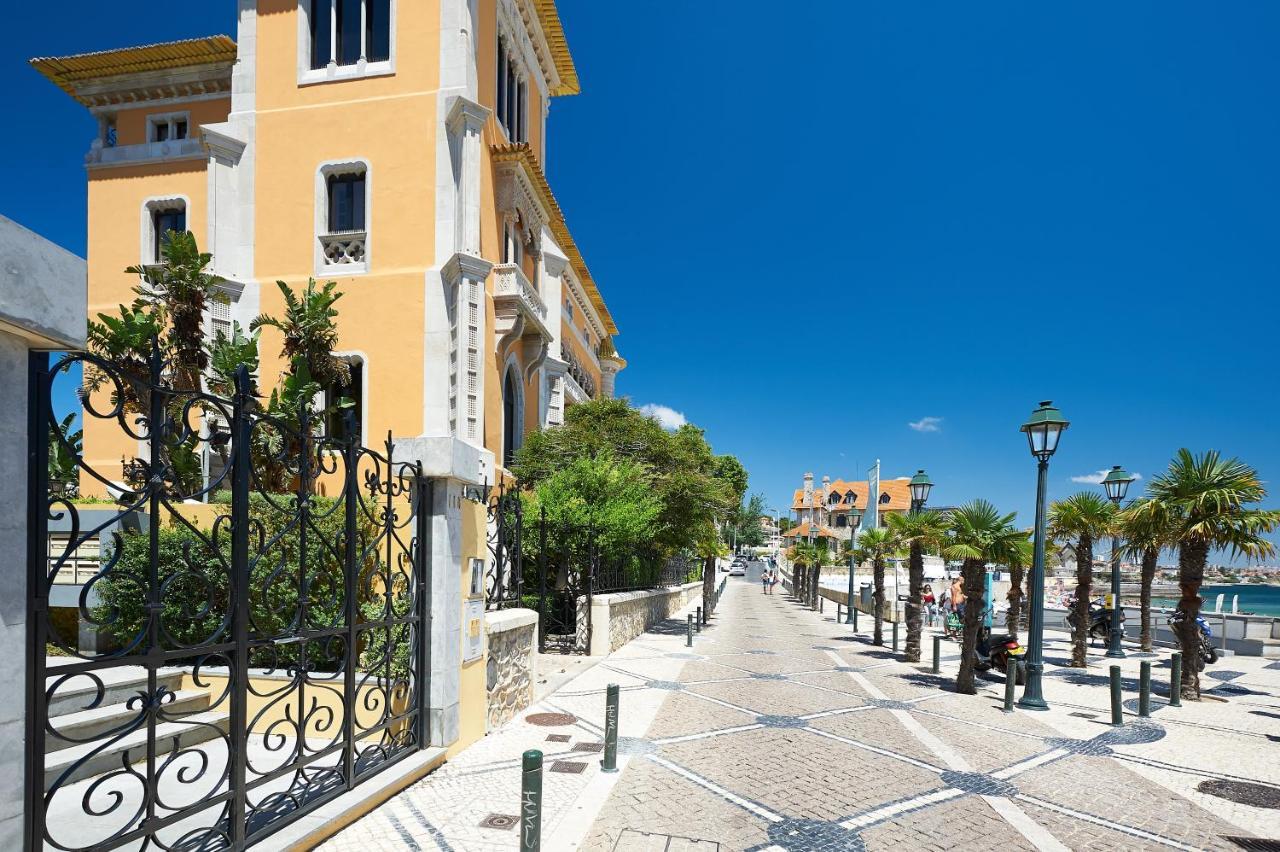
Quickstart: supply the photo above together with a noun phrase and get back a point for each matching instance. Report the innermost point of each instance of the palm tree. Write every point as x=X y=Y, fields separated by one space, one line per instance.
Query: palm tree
x=1081 y=519
x=874 y=546
x=803 y=555
x=1017 y=574
x=310 y=331
x=1205 y=500
x=920 y=531
x=979 y=534
x=1146 y=531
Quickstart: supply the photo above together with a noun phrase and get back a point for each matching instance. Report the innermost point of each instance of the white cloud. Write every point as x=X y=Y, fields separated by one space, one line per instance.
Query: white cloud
x=668 y=418
x=927 y=424
x=1096 y=478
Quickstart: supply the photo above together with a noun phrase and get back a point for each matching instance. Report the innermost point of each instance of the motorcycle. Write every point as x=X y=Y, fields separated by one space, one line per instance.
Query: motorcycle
x=999 y=651
x=1099 y=621
x=1208 y=655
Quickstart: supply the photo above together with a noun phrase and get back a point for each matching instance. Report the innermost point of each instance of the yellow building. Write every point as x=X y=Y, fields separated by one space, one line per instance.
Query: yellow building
x=397 y=148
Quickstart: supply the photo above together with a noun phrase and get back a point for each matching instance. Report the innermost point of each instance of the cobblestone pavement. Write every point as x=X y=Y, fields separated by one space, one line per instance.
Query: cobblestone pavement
x=793 y=733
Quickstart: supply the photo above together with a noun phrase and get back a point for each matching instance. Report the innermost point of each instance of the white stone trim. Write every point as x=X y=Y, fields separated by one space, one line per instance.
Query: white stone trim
x=323 y=171
x=511 y=366
x=333 y=72
x=146 y=249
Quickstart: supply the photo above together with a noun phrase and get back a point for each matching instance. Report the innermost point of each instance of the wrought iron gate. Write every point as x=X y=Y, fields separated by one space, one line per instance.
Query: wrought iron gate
x=567 y=559
x=251 y=651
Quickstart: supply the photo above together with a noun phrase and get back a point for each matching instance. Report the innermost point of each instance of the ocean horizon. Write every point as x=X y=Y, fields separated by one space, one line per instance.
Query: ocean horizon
x=1254 y=598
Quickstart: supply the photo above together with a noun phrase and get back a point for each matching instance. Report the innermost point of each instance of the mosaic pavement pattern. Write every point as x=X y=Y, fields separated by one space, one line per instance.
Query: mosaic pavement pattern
x=769 y=742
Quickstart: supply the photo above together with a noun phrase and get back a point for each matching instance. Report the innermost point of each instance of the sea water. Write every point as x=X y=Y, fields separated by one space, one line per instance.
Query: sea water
x=1254 y=598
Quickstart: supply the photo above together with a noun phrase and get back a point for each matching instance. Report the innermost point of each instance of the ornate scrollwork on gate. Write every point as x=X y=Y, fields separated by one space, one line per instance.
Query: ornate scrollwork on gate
x=241 y=648
x=505 y=564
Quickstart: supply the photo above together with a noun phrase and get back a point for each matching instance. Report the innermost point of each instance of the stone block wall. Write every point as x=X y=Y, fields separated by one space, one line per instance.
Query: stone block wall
x=618 y=618
x=513 y=641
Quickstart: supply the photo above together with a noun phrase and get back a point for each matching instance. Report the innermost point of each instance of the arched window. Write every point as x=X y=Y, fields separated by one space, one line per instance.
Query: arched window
x=842 y=520
x=884 y=498
x=833 y=499
x=512 y=430
x=850 y=498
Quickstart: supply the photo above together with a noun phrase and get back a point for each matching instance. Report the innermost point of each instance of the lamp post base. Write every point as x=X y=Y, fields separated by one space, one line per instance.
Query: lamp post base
x=1032 y=698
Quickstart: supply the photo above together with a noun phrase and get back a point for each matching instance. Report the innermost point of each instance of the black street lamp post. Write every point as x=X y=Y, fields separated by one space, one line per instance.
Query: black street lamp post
x=1116 y=484
x=1043 y=431
x=855 y=521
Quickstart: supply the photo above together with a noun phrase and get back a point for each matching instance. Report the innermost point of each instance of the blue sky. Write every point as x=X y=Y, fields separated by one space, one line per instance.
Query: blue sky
x=820 y=222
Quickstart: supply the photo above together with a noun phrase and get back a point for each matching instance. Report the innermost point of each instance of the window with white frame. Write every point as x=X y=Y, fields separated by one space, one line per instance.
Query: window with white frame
x=345 y=215
x=166 y=217
x=339 y=400
x=167 y=128
x=512 y=102
x=347 y=32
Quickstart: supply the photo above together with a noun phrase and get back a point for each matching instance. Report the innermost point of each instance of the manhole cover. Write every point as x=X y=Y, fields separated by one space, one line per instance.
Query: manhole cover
x=593 y=748
x=502 y=822
x=1243 y=792
x=550 y=720
x=558 y=738
x=568 y=767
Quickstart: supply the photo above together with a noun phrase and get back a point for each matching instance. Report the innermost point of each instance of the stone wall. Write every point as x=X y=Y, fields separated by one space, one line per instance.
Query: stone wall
x=513 y=640
x=618 y=618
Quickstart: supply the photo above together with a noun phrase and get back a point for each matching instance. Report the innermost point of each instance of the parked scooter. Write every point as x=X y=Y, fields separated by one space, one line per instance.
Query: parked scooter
x=1208 y=654
x=999 y=651
x=1099 y=620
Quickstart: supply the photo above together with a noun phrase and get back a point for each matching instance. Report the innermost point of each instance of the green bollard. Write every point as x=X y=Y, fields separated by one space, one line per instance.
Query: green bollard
x=937 y=654
x=697 y=621
x=822 y=603
x=531 y=802
x=1144 y=690
x=610 y=729
x=1010 y=684
x=895 y=637
x=1175 y=679
x=1117 y=711
x=855 y=619
x=688 y=640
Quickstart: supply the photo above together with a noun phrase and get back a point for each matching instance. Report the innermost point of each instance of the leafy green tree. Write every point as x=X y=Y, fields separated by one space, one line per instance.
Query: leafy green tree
x=731 y=472
x=678 y=466
x=609 y=496
x=979 y=534
x=1206 y=501
x=921 y=532
x=875 y=546
x=1080 y=520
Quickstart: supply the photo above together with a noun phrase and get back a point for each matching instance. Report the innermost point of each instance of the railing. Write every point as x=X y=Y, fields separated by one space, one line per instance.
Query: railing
x=632 y=574
x=510 y=283
x=344 y=247
x=579 y=375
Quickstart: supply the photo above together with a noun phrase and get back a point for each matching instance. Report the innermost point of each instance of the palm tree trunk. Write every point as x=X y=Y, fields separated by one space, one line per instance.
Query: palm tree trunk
x=1192 y=557
x=1149 y=558
x=974 y=604
x=877 y=569
x=915 y=584
x=1016 y=574
x=1084 y=593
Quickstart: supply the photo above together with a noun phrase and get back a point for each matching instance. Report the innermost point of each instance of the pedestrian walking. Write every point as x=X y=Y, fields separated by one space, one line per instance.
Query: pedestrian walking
x=764 y=581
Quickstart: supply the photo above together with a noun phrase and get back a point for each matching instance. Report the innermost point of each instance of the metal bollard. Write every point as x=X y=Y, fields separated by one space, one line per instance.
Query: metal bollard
x=1144 y=689
x=531 y=801
x=839 y=619
x=610 y=729
x=1010 y=684
x=1175 y=679
x=822 y=603
x=895 y=637
x=697 y=621
x=1117 y=711
x=855 y=619
x=937 y=654
x=688 y=640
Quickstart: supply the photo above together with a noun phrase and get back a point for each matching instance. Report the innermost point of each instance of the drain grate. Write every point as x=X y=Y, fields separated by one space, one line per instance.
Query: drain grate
x=568 y=767
x=1242 y=792
x=1255 y=844
x=502 y=822
x=550 y=720
x=558 y=738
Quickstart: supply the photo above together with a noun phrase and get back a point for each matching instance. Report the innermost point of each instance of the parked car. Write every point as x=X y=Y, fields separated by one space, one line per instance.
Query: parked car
x=737 y=570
